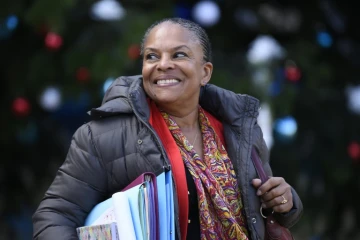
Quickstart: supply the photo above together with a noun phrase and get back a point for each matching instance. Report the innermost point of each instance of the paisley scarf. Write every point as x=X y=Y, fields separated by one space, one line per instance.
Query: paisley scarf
x=219 y=199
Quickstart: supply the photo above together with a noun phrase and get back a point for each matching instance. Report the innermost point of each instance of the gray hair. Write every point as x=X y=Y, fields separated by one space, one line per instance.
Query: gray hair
x=196 y=29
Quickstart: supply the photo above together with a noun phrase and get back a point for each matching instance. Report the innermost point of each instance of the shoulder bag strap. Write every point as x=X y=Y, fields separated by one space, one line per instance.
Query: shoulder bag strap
x=258 y=165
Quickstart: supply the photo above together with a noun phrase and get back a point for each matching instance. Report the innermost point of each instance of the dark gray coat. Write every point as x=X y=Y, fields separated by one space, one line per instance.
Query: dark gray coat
x=109 y=152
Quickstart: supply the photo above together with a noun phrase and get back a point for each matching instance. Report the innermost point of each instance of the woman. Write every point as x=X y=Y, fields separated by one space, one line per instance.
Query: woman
x=171 y=116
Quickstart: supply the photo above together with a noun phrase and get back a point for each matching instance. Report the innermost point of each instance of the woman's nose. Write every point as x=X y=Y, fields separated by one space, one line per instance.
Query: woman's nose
x=165 y=63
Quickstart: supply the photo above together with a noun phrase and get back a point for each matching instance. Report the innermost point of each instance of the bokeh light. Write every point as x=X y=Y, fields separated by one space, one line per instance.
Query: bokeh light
x=53 y=41
x=12 y=22
x=285 y=128
x=264 y=49
x=8 y=26
x=292 y=73
x=108 y=10
x=50 y=99
x=206 y=13
x=107 y=84
x=21 y=107
x=324 y=39
x=354 y=151
x=353 y=98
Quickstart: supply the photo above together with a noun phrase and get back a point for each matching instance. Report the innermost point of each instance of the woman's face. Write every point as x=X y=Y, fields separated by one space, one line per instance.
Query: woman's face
x=173 y=66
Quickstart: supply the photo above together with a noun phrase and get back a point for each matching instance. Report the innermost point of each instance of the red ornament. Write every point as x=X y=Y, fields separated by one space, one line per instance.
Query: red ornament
x=354 y=151
x=21 y=107
x=134 y=51
x=53 y=41
x=293 y=73
x=82 y=74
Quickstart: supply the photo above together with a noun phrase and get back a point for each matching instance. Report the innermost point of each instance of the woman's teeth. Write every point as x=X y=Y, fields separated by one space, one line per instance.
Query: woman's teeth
x=167 y=81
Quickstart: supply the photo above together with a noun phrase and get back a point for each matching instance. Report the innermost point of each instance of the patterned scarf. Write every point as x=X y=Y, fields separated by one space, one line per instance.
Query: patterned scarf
x=220 y=204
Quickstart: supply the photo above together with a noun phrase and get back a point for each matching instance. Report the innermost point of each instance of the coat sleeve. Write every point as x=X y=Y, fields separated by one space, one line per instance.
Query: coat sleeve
x=292 y=217
x=80 y=183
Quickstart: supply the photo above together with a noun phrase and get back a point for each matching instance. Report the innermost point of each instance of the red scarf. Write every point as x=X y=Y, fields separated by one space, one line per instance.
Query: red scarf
x=177 y=165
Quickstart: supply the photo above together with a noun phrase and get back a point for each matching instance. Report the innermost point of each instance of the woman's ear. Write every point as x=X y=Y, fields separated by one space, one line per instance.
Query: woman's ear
x=207 y=68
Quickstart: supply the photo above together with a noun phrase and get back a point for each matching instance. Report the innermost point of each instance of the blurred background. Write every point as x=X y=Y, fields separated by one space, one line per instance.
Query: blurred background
x=300 y=58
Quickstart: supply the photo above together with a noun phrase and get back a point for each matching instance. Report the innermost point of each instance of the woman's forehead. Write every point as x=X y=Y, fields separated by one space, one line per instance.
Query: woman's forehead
x=170 y=33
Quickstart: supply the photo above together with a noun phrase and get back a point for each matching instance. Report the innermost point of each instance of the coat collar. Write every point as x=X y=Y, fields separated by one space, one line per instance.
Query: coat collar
x=126 y=95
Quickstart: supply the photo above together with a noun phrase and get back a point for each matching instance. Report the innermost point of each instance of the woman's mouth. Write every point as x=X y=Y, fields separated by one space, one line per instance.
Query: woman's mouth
x=167 y=82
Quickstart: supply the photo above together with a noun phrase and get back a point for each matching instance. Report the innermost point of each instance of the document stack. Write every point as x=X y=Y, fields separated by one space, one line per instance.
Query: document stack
x=144 y=210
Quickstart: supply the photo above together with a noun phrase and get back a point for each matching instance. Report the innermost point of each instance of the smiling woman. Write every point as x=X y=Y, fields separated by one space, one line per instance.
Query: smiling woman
x=204 y=132
x=174 y=69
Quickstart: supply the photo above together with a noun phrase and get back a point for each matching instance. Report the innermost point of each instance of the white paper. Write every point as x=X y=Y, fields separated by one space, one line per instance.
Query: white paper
x=123 y=216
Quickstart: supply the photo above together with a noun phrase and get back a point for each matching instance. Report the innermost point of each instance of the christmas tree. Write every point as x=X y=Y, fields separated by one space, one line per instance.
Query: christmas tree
x=300 y=59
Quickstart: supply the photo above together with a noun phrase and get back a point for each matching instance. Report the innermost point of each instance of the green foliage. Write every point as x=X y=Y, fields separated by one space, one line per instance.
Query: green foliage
x=51 y=13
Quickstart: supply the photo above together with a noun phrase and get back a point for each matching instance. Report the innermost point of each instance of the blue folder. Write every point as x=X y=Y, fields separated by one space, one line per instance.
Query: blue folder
x=145 y=220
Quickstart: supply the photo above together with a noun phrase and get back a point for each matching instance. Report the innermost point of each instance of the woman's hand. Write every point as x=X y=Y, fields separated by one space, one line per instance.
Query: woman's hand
x=275 y=193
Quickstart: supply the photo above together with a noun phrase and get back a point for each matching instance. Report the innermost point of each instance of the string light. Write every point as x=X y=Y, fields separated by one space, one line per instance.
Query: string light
x=353 y=98
x=264 y=49
x=292 y=73
x=354 y=151
x=324 y=39
x=50 y=99
x=285 y=128
x=12 y=22
x=8 y=26
x=108 y=10
x=21 y=107
x=206 y=13
x=53 y=41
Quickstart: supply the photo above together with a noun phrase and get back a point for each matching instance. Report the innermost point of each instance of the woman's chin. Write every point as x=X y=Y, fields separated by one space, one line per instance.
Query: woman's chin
x=164 y=99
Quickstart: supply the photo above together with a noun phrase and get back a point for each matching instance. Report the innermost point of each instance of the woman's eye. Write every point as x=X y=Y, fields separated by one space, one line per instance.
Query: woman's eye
x=150 y=56
x=180 y=54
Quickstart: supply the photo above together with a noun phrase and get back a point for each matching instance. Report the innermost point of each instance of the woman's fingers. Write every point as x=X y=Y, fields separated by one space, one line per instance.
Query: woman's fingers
x=269 y=185
x=281 y=204
x=256 y=182
x=272 y=188
x=276 y=194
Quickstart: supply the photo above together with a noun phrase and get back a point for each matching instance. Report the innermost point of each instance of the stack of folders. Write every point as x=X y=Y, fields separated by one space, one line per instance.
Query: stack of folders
x=144 y=210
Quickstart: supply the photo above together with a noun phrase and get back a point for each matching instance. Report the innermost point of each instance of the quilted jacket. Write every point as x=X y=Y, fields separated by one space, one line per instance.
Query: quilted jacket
x=119 y=144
